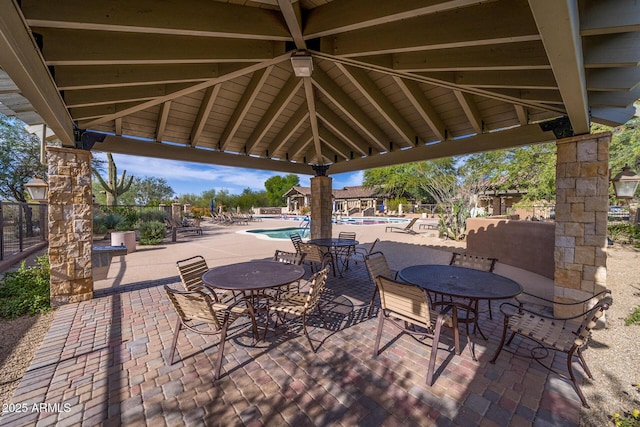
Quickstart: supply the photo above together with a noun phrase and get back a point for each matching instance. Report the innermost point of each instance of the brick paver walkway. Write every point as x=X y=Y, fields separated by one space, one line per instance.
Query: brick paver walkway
x=103 y=363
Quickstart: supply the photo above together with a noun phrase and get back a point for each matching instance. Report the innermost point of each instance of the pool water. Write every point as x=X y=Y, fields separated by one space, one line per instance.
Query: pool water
x=281 y=233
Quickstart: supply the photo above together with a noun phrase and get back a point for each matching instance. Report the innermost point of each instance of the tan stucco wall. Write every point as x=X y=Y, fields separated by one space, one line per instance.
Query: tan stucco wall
x=528 y=245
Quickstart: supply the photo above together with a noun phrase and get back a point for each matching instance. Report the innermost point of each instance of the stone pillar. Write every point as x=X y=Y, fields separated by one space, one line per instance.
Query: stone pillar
x=176 y=211
x=70 y=225
x=321 y=204
x=582 y=202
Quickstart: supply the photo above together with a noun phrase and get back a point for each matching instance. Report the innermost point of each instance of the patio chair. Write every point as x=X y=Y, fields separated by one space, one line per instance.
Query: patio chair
x=406 y=229
x=295 y=258
x=360 y=254
x=191 y=271
x=476 y=263
x=314 y=255
x=377 y=266
x=348 y=250
x=301 y=304
x=296 y=240
x=559 y=334
x=409 y=303
x=196 y=309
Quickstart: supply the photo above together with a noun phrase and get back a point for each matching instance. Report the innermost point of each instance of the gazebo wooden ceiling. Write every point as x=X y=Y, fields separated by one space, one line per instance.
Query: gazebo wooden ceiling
x=393 y=81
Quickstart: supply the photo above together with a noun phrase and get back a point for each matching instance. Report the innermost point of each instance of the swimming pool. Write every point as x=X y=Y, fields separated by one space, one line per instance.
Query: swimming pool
x=280 y=233
x=365 y=220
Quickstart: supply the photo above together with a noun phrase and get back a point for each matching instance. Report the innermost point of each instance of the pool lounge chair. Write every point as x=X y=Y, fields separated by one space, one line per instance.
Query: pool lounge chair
x=406 y=229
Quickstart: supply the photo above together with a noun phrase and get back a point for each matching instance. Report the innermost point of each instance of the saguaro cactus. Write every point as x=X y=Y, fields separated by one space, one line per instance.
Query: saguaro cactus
x=114 y=187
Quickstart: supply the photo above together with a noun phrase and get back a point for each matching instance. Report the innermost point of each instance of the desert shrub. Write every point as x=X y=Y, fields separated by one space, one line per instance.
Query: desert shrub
x=111 y=220
x=148 y=215
x=99 y=226
x=25 y=290
x=152 y=232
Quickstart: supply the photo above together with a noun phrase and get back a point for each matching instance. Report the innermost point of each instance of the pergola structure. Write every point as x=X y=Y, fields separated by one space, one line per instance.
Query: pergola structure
x=375 y=83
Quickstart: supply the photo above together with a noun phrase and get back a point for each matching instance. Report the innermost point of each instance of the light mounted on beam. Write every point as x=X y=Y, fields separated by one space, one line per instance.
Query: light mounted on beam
x=302 y=63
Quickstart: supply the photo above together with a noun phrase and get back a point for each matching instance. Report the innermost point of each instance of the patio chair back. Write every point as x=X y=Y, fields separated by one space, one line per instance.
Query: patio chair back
x=347 y=235
x=289 y=257
x=296 y=240
x=472 y=261
x=195 y=305
x=316 y=286
x=191 y=271
x=377 y=266
x=314 y=255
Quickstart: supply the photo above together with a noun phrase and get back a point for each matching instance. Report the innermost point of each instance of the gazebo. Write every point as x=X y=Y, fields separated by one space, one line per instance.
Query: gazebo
x=323 y=87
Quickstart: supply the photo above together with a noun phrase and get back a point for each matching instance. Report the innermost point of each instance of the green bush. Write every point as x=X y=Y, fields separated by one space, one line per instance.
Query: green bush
x=99 y=226
x=625 y=233
x=148 y=215
x=152 y=232
x=111 y=220
x=25 y=290
x=634 y=317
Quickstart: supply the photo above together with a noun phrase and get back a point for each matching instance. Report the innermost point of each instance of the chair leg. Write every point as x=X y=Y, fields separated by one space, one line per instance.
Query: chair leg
x=434 y=351
x=223 y=339
x=306 y=333
x=583 y=363
x=490 y=311
x=379 y=333
x=175 y=340
x=324 y=323
x=504 y=336
x=373 y=298
x=573 y=379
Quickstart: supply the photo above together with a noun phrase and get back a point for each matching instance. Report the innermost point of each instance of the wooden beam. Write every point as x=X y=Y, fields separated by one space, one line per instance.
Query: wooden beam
x=614 y=99
x=206 y=105
x=506 y=56
x=523 y=116
x=106 y=76
x=118 y=124
x=313 y=118
x=518 y=136
x=341 y=16
x=292 y=17
x=161 y=123
x=613 y=116
x=350 y=109
x=335 y=144
x=136 y=147
x=613 y=79
x=511 y=22
x=470 y=110
x=21 y=60
x=194 y=88
x=612 y=50
x=422 y=105
x=186 y=18
x=332 y=121
x=532 y=79
x=299 y=146
x=80 y=47
x=559 y=25
x=380 y=102
x=609 y=16
x=89 y=97
x=287 y=131
x=277 y=107
x=250 y=93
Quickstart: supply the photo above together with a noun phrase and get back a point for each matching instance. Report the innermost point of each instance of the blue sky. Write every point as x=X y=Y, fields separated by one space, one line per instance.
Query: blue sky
x=194 y=178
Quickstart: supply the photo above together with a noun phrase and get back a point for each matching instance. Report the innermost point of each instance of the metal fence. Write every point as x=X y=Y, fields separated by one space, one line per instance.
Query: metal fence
x=22 y=225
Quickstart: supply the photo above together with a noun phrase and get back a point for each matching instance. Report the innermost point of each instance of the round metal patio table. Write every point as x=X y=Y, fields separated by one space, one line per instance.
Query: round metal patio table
x=252 y=275
x=335 y=246
x=461 y=282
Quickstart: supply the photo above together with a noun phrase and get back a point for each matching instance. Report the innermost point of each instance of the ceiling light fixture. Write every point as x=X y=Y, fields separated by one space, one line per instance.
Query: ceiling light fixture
x=302 y=63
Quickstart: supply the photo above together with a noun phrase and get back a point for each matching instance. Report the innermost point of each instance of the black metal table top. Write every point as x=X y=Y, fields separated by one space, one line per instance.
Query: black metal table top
x=461 y=282
x=252 y=275
x=333 y=242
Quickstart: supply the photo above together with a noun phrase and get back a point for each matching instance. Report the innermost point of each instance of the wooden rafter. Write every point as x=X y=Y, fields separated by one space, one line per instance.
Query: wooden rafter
x=345 y=132
x=206 y=105
x=422 y=105
x=287 y=131
x=470 y=110
x=161 y=123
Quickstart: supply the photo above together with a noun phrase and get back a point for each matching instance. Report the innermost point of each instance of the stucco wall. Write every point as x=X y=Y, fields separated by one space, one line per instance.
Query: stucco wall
x=528 y=245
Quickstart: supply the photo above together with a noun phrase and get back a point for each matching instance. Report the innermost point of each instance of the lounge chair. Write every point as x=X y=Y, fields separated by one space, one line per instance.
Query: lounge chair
x=406 y=229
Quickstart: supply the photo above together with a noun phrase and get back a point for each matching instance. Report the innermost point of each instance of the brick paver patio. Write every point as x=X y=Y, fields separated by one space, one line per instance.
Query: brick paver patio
x=103 y=362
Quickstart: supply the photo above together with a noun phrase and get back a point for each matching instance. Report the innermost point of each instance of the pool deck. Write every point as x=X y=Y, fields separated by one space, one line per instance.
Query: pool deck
x=103 y=362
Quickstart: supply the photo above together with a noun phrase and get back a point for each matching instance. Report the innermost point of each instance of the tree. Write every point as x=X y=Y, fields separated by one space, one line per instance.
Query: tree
x=278 y=185
x=113 y=186
x=149 y=191
x=405 y=181
x=19 y=159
